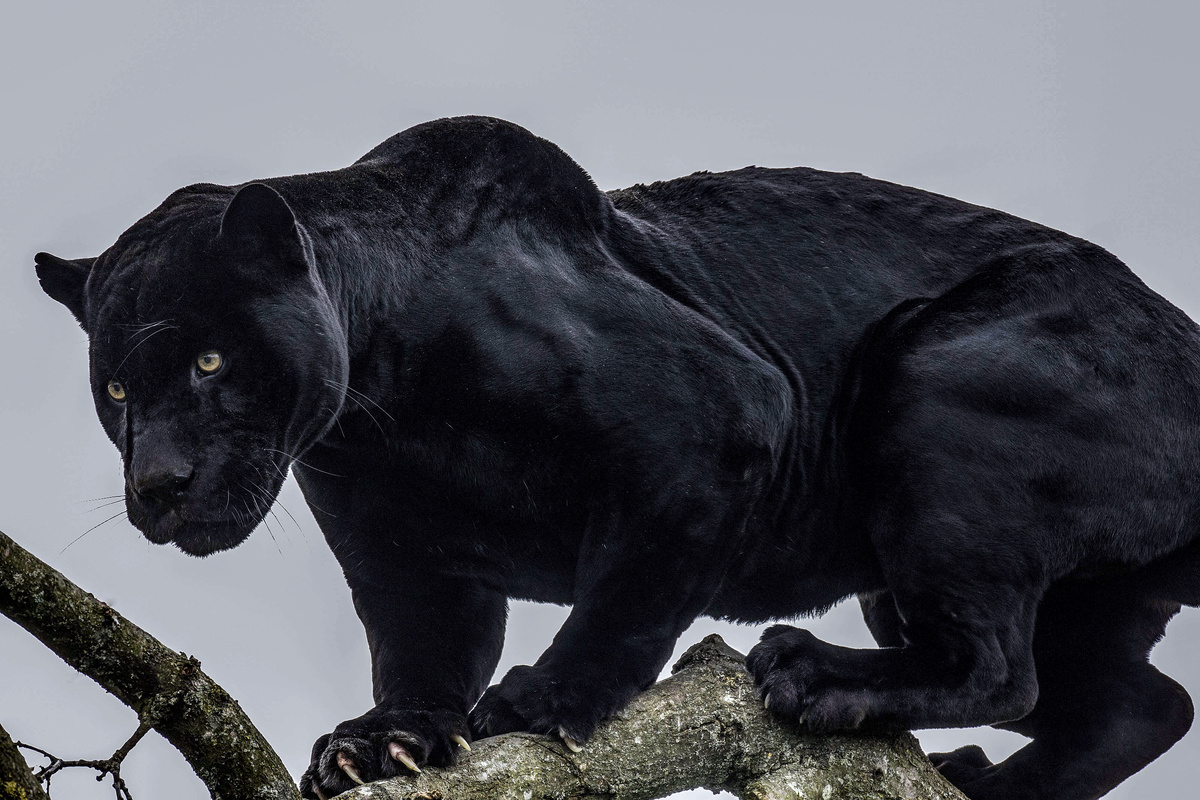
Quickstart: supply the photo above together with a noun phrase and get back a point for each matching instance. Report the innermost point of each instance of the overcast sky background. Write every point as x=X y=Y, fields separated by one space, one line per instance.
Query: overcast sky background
x=1081 y=115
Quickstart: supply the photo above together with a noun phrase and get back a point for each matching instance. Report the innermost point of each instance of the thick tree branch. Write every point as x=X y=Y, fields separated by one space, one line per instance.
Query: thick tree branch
x=704 y=727
x=166 y=688
x=16 y=779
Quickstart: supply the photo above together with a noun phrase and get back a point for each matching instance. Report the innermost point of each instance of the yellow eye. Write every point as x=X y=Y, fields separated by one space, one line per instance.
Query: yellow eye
x=209 y=362
x=116 y=391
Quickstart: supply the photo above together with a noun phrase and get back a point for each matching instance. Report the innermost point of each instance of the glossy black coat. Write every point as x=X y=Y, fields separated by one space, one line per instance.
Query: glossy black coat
x=746 y=395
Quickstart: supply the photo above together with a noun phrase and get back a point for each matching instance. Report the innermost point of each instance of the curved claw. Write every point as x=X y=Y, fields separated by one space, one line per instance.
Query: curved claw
x=461 y=742
x=767 y=702
x=398 y=752
x=346 y=765
x=320 y=794
x=571 y=744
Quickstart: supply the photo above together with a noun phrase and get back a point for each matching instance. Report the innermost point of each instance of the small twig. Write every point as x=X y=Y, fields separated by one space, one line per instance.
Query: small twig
x=142 y=729
x=107 y=766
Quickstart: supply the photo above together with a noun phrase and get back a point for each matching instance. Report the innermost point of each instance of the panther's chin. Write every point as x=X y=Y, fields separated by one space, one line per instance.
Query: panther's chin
x=195 y=537
x=206 y=538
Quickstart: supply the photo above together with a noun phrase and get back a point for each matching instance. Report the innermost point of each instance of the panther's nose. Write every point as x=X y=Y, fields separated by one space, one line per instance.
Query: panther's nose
x=163 y=484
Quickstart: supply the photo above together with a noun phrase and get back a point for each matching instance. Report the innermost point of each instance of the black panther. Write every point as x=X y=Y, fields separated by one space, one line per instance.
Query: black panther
x=747 y=395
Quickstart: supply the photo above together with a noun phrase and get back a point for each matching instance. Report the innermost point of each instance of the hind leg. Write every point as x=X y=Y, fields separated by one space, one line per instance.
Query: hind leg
x=961 y=630
x=962 y=556
x=883 y=620
x=1103 y=712
x=987 y=455
x=962 y=664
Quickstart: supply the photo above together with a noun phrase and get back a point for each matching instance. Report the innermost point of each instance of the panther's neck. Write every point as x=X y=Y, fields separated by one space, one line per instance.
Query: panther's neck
x=380 y=234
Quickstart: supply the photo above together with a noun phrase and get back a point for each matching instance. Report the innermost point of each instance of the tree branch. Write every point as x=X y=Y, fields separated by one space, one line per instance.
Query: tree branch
x=704 y=727
x=16 y=779
x=166 y=688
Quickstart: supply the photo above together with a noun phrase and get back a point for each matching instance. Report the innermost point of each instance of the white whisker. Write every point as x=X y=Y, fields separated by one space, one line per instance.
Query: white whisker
x=303 y=463
x=89 y=530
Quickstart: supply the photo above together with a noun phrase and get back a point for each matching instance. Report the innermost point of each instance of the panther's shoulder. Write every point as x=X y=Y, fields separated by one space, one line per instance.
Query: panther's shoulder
x=494 y=163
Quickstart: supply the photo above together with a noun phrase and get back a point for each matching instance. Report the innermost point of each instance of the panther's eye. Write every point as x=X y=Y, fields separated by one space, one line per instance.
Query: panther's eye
x=116 y=391
x=208 y=362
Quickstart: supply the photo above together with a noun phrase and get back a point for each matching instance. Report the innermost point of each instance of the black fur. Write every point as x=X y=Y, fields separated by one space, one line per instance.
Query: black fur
x=746 y=395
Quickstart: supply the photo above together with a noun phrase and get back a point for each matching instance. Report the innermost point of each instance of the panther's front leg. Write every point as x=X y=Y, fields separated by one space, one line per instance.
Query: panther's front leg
x=435 y=639
x=641 y=579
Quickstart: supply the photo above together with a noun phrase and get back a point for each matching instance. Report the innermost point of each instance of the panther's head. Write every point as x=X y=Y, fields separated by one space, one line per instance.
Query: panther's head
x=217 y=357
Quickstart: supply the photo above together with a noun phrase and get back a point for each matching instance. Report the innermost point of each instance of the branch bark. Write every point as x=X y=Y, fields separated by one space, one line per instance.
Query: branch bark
x=704 y=727
x=16 y=779
x=166 y=688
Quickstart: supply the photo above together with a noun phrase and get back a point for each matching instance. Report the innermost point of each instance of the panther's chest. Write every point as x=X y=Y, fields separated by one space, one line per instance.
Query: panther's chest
x=513 y=504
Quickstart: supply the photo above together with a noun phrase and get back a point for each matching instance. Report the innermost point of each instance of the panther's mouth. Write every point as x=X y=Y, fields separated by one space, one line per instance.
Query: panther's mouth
x=196 y=537
x=202 y=505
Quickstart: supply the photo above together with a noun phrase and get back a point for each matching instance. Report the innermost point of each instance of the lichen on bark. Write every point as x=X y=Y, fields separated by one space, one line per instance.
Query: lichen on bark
x=703 y=727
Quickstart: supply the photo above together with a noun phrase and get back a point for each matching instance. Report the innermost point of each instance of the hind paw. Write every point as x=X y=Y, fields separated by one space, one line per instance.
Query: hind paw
x=800 y=686
x=962 y=766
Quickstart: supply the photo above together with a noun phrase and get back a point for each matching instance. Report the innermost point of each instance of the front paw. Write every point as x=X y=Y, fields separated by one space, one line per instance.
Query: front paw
x=540 y=700
x=383 y=743
x=800 y=681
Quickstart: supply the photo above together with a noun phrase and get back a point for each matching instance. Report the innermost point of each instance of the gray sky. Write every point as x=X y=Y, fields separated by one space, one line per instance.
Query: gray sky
x=1080 y=115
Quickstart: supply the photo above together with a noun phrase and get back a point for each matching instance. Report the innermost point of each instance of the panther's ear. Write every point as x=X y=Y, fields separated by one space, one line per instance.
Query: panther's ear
x=64 y=281
x=259 y=218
